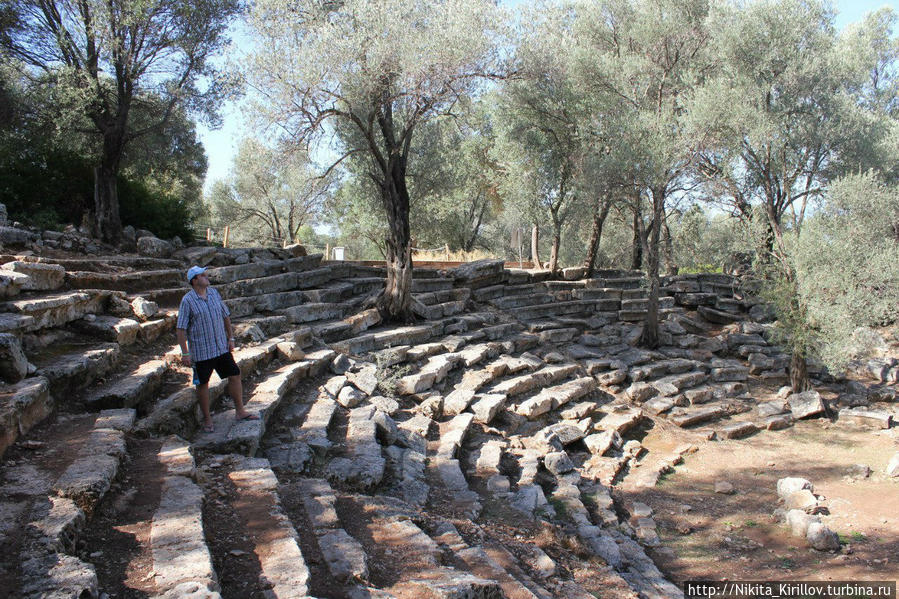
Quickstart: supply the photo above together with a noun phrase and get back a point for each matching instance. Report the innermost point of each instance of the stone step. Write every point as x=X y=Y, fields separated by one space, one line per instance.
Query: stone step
x=52 y=310
x=719 y=288
x=48 y=565
x=123 y=331
x=640 y=315
x=693 y=300
x=88 y=478
x=334 y=292
x=153 y=329
x=22 y=405
x=274 y=283
x=251 y=329
x=625 y=282
x=661 y=368
x=560 y=308
x=620 y=419
x=731 y=305
x=391 y=536
x=685 y=417
x=102 y=264
x=551 y=398
x=165 y=298
x=597 y=293
x=127 y=281
x=677 y=383
x=485 y=294
x=269 y=302
x=557 y=285
x=388 y=337
x=268 y=529
x=179 y=414
x=717 y=316
x=314 y=430
x=442 y=310
x=642 y=303
x=313 y=312
x=344 y=556
x=527 y=382
x=521 y=300
x=244 y=436
x=78 y=367
x=522 y=289
x=182 y=562
x=480 y=563
x=461 y=499
x=130 y=390
x=363 y=285
x=229 y=274
x=407 y=468
x=33 y=276
x=443 y=296
x=362 y=467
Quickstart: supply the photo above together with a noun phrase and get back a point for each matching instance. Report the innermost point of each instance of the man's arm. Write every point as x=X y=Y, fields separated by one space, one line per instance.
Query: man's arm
x=229 y=332
x=182 y=341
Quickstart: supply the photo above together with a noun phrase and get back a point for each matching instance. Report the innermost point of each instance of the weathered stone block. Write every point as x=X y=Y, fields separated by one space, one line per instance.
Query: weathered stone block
x=806 y=404
x=41 y=276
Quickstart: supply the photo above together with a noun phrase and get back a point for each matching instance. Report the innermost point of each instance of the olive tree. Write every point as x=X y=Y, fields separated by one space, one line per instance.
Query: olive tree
x=103 y=58
x=642 y=61
x=366 y=75
x=542 y=149
x=791 y=105
x=271 y=193
x=846 y=262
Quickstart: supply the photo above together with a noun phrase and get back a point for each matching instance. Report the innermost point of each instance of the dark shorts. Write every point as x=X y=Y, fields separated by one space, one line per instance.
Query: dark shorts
x=224 y=365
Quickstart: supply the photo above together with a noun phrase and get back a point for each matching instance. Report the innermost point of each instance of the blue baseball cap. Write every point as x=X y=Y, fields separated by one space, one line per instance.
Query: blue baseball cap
x=194 y=271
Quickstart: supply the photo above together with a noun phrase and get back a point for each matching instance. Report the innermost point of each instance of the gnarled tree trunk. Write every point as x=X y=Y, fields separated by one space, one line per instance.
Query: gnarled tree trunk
x=650 y=336
x=535 y=246
x=394 y=304
x=600 y=212
x=671 y=267
x=106 y=192
x=799 y=380
x=637 y=248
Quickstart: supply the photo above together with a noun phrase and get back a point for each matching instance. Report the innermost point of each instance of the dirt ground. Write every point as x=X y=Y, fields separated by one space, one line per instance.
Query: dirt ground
x=737 y=537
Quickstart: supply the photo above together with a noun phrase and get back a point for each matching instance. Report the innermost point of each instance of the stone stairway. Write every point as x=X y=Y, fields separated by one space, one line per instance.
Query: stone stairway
x=388 y=461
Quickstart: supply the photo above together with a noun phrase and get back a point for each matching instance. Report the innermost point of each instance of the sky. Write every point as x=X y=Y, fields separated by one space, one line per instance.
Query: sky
x=221 y=144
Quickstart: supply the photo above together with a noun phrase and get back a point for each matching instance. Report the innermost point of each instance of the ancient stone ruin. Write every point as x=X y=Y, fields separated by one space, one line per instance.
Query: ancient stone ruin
x=388 y=461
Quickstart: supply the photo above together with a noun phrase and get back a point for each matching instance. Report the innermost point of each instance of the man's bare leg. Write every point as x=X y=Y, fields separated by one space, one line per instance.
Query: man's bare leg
x=203 y=397
x=235 y=390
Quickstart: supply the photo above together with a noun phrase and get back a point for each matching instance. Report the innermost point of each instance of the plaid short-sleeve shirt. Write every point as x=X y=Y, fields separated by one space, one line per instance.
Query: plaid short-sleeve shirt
x=204 y=321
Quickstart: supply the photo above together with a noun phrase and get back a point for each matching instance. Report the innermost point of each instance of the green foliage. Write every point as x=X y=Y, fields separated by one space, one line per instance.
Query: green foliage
x=47 y=178
x=271 y=193
x=705 y=242
x=113 y=71
x=847 y=265
x=44 y=187
x=165 y=215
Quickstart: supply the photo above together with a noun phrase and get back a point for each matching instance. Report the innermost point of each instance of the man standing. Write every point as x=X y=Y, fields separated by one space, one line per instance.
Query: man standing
x=204 y=326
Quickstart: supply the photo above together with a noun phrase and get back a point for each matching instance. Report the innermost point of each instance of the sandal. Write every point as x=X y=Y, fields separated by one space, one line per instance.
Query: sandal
x=249 y=416
x=208 y=428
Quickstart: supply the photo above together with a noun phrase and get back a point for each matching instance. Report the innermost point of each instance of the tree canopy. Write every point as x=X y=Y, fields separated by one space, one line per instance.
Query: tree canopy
x=105 y=60
x=369 y=74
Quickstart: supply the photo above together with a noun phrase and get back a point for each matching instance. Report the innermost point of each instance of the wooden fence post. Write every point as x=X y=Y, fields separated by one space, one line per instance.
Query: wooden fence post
x=227 y=232
x=327 y=251
x=208 y=233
